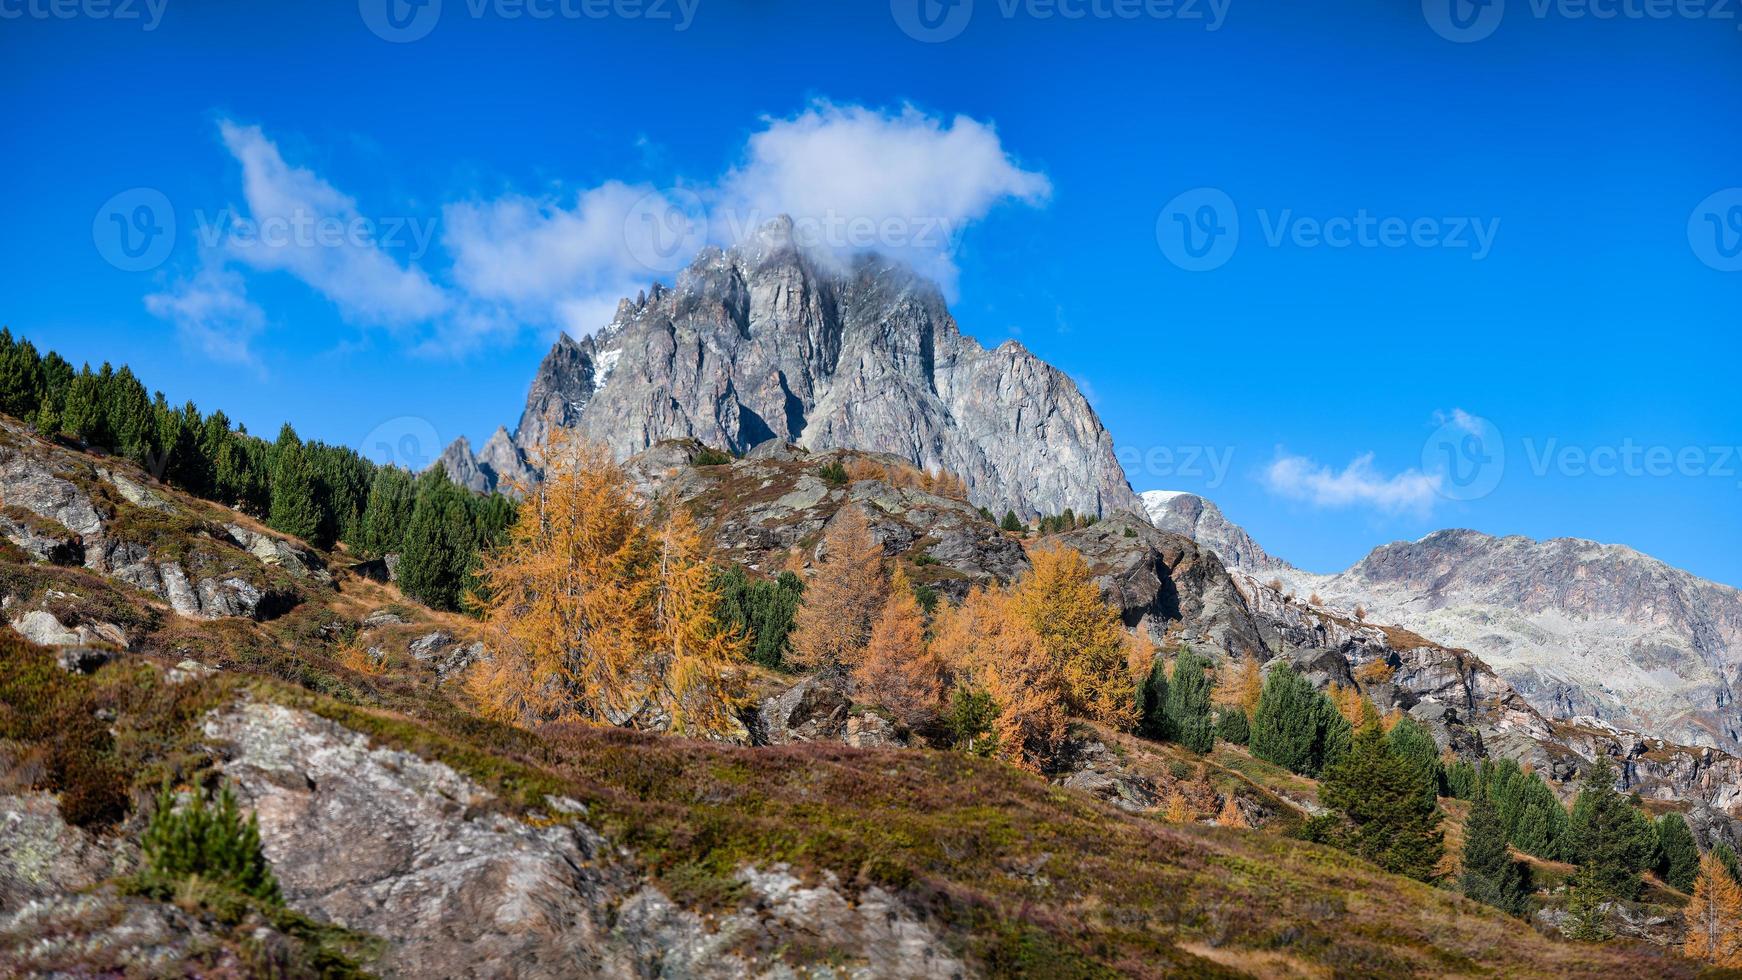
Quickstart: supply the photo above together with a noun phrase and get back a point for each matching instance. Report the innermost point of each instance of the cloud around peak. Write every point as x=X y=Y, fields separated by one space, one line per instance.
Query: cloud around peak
x=853 y=178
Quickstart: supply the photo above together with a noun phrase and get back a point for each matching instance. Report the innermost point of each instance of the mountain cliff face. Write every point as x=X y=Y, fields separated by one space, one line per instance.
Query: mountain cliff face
x=1203 y=522
x=1581 y=629
x=766 y=342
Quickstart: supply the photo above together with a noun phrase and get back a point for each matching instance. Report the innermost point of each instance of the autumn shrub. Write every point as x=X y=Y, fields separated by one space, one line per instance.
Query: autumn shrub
x=52 y=716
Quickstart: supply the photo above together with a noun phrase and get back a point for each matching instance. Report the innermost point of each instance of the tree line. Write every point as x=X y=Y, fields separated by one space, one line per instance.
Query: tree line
x=316 y=491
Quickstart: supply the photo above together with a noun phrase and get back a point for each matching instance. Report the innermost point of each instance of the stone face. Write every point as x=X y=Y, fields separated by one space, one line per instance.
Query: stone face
x=810 y=711
x=30 y=482
x=764 y=341
x=412 y=852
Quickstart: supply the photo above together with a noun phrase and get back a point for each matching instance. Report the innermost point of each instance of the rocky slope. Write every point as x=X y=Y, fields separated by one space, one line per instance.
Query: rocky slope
x=1585 y=631
x=764 y=341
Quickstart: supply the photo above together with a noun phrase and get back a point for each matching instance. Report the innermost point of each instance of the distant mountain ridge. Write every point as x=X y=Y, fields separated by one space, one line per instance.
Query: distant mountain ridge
x=1581 y=629
x=765 y=341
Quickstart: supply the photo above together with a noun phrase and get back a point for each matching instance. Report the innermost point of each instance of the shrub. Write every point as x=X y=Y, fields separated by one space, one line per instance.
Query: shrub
x=969 y=721
x=42 y=705
x=209 y=841
x=709 y=456
x=833 y=473
x=1233 y=727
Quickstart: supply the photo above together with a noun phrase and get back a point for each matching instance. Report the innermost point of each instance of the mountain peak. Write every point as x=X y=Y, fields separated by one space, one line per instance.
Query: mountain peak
x=1201 y=520
x=769 y=340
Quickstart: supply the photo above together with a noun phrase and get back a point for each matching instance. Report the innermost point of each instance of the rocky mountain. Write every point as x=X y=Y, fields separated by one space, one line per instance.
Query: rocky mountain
x=766 y=341
x=1582 y=630
x=1203 y=522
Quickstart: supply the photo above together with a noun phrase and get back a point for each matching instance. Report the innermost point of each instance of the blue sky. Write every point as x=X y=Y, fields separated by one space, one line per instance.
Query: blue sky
x=1537 y=216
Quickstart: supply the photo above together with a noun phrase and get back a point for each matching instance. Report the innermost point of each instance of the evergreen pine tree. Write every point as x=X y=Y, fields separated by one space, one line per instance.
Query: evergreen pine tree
x=1587 y=909
x=1188 y=702
x=1605 y=835
x=1416 y=745
x=295 y=510
x=1295 y=726
x=1233 y=727
x=1490 y=874
x=1726 y=856
x=1011 y=522
x=1392 y=815
x=387 y=512
x=438 y=552
x=1678 y=857
x=1152 y=703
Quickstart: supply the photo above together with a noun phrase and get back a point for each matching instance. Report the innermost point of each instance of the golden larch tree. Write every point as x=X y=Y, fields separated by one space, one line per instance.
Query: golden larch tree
x=843 y=597
x=1714 y=917
x=597 y=618
x=699 y=658
x=1232 y=815
x=1081 y=632
x=899 y=671
x=986 y=644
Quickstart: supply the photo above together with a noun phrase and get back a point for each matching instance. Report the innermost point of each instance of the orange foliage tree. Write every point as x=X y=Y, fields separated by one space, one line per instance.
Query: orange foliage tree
x=1082 y=634
x=597 y=617
x=898 y=670
x=986 y=645
x=1714 y=917
x=842 y=599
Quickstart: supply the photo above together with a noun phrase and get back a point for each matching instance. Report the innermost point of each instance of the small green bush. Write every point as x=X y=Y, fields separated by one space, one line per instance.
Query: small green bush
x=709 y=456
x=834 y=474
x=211 y=842
x=969 y=721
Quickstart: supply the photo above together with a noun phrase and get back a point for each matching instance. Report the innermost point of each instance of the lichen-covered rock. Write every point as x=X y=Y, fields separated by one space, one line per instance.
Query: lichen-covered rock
x=416 y=854
x=280 y=553
x=40 y=855
x=811 y=711
x=31 y=482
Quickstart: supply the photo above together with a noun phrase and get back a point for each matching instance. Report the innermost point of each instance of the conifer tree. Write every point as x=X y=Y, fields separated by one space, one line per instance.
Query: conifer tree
x=1232 y=815
x=1490 y=874
x=1392 y=816
x=1726 y=856
x=1587 y=908
x=1295 y=726
x=1714 y=917
x=1011 y=523
x=387 y=512
x=899 y=672
x=213 y=842
x=698 y=657
x=1060 y=602
x=1152 y=703
x=988 y=645
x=843 y=597
x=1415 y=745
x=1678 y=857
x=1188 y=702
x=438 y=546
x=763 y=610
x=295 y=511
x=1233 y=727
x=1607 y=836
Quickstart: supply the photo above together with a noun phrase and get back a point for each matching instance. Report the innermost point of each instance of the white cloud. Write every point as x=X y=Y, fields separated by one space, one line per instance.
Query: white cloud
x=904 y=183
x=302 y=225
x=1360 y=484
x=212 y=314
x=1460 y=419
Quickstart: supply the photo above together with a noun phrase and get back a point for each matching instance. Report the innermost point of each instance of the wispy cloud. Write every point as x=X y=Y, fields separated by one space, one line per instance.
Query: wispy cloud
x=1360 y=484
x=901 y=182
x=212 y=314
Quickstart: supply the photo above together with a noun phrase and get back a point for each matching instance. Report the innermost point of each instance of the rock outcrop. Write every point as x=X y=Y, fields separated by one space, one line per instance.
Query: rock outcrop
x=766 y=341
x=412 y=852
